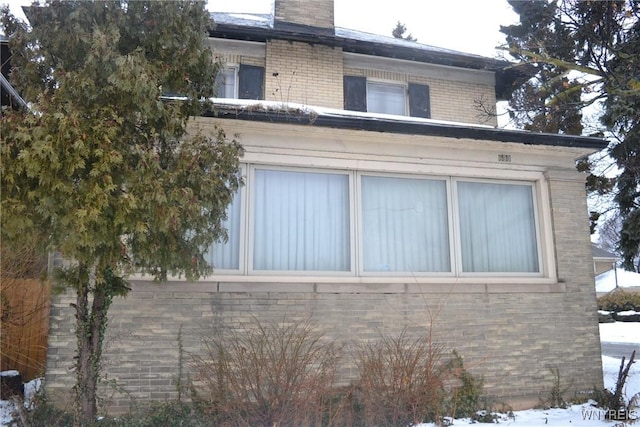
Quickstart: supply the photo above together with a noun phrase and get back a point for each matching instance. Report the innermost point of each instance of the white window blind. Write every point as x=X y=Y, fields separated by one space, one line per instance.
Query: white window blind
x=226 y=255
x=497 y=228
x=386 y=98
x=405 y=225
x=301 y=221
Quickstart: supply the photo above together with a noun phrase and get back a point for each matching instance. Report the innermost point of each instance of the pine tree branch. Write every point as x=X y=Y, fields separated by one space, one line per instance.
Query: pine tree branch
x=541 y=57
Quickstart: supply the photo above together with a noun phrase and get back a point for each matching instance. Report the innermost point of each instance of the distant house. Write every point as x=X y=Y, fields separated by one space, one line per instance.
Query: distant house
x=602 y=260
x=377 y=198
x=9 y=96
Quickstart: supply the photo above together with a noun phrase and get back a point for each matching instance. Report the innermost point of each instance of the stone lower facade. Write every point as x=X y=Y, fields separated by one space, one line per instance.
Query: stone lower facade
x=513 y=340
x=514 y=331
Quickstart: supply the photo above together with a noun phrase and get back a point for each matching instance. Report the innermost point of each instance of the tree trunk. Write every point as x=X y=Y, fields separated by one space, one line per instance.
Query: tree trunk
x=91 y=323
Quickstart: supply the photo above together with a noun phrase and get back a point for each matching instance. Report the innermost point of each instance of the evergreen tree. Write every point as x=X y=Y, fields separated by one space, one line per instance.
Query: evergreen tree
x=399 y=30
x=599 y=42
x=102 y=161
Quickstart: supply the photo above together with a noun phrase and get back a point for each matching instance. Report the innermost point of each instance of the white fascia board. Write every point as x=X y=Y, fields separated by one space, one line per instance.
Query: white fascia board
x=238 y=47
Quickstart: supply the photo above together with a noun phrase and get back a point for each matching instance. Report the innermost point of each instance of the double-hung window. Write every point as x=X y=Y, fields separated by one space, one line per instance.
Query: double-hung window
x=226 y=83
x=387 y=98
x=240 y=82
x=310 y=221
x=363 y=94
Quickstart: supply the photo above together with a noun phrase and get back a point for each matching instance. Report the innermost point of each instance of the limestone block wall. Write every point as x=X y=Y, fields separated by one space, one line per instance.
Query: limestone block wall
x=513 y=335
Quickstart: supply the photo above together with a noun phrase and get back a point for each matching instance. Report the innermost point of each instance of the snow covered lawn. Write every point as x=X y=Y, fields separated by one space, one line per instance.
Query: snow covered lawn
x=575 y=416
x=7 y=406
x=620 y=332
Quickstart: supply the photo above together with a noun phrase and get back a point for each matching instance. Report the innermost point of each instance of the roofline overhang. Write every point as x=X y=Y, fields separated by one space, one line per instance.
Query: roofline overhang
x=508 y=74
x=327 y=37
x=404 y=127
x=13 y=94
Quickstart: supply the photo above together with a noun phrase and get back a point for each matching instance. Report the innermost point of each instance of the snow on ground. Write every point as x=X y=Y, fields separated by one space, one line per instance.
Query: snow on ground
x=574 y=416
x=607 y=281
x=7 y=406
x=620 y=332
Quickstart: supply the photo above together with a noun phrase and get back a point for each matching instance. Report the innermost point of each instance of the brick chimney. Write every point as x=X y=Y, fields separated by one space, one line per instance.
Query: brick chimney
x=315 y=13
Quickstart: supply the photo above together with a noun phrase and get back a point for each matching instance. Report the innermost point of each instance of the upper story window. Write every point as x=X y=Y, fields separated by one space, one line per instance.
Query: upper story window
x=242 y=82
x=333 y=222
x=386 y=98
x=361 y=94
x=225 y=85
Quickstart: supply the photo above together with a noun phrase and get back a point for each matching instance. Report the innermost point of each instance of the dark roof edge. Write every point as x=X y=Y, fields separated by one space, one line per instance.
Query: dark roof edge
x=377 y=124
x=4 y=83
x=319 y=35
x=508 y=74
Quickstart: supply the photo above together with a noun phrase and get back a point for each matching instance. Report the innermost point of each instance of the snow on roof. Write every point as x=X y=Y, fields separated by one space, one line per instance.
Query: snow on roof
x=284 y=111
x=266 y=21
x=261 y=20
x=292 y=107
x=606 y=281
x=377 y=38
x=600 y=253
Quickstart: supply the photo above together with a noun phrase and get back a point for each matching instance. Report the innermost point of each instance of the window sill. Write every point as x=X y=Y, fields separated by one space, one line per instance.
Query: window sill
x=362 y=285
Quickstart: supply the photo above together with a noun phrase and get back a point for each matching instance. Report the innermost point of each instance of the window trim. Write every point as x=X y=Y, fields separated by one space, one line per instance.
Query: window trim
x=234 y=68
x=456 y=227
x=542 y=217
x=360 y=243
x=249 y=225
x=390 y=83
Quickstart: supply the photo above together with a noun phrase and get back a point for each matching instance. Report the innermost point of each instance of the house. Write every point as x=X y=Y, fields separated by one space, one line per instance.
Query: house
x=377 y=199
x=9 y=96
x=602 y=260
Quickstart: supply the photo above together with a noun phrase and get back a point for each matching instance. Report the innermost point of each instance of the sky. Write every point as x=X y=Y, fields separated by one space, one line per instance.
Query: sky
x=471 y=26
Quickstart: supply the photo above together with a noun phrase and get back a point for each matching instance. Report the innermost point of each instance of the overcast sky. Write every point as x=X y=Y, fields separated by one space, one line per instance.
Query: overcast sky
x=471 y=26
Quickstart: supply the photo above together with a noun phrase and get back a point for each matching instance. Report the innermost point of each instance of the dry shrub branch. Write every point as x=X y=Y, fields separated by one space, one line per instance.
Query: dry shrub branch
x=402 y=380
x=268 y=375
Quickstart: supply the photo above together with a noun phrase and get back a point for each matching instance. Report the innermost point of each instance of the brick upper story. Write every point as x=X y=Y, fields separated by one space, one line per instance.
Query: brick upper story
x=303 y=58
x=308 y=74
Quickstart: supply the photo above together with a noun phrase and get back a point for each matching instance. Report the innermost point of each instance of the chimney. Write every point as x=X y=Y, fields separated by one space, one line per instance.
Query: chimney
x=314 y=13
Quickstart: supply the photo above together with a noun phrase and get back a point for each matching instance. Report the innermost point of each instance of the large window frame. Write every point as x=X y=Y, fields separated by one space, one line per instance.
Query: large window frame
x=250 y=224
x=362 y=271
x=355 y=215
x=536 y=223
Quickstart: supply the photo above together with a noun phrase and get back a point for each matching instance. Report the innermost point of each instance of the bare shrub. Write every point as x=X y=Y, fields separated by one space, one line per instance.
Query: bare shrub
x=613 y=401
x=276 y=374
x=402 y=380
